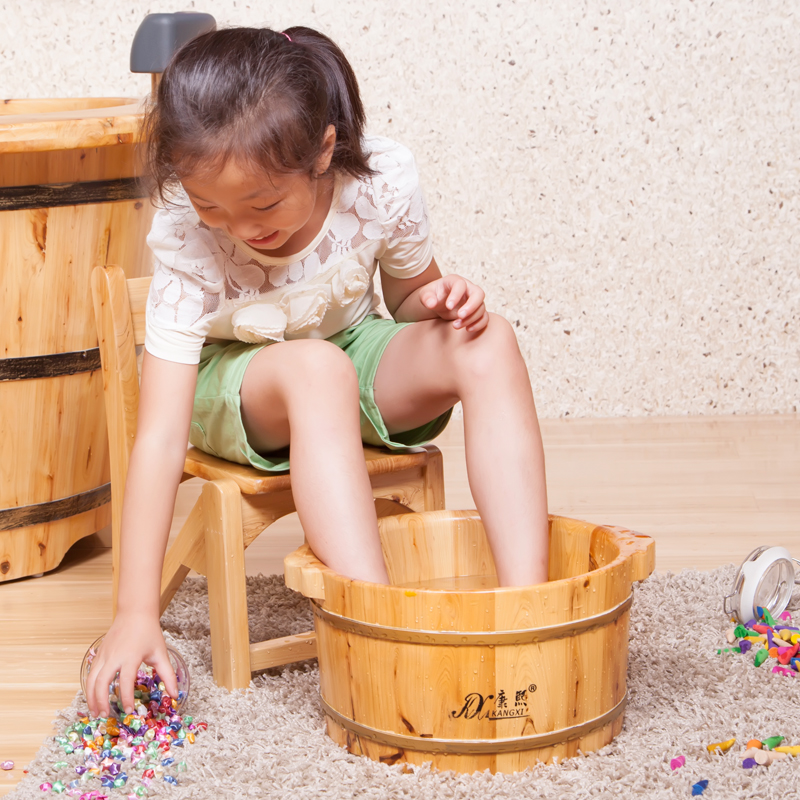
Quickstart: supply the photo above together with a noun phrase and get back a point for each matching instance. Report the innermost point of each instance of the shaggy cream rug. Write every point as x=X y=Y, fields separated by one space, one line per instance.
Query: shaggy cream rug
x=269 y=741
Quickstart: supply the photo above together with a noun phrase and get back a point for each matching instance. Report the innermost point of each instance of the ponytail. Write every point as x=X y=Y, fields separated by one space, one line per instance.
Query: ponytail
x=345 y=109
x=261 y=98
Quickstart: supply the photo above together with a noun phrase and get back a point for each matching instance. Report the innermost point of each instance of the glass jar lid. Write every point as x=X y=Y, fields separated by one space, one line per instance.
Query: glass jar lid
x=766 y=580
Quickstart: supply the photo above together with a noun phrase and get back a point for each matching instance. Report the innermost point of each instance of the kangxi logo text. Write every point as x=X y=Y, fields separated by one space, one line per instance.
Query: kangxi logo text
x=478 y=706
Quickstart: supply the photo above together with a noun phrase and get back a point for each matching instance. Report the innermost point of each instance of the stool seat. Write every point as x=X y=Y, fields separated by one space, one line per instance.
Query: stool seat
x=380 y=461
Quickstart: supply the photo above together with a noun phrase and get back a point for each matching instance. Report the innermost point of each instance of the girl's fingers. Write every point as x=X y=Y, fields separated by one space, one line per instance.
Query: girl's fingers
x=434 y=297
x=480 y=324
x=167 y=674
x=471 y=319
x=91 y=691
x=104 y=677
x=127 y=678
x=462 y=300
x=90 y=696
x=457 y=291
x=473 y=304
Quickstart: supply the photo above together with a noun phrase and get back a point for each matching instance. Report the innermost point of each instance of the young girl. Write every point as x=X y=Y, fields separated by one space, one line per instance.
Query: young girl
x=277 y=213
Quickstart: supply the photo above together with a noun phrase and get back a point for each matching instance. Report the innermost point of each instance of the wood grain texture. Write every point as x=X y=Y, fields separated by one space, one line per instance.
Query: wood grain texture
x=58 y=105
x=69 y=166
x=52 y=427
x=227 y=588
x=63 y=124
x=138 y=289
x=501 y=705
x=285 y=650
x=120 y=388
x=383 y=466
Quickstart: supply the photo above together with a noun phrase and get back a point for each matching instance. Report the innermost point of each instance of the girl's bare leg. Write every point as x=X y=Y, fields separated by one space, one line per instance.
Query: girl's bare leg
x=430 y=365
x=306 y=391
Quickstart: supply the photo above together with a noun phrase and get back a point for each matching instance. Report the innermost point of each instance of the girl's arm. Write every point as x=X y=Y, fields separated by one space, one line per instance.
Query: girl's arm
x=154 y=473
x=431 y=296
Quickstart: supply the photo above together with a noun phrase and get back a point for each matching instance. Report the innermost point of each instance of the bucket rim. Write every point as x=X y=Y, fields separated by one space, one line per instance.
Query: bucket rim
x=635 y=561
x=99 y=125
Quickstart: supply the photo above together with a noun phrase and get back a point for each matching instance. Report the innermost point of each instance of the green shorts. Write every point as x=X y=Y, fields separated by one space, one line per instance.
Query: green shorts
x=217 y=426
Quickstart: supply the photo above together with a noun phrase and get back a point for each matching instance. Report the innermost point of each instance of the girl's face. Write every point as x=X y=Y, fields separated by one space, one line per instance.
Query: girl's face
x=279 y=214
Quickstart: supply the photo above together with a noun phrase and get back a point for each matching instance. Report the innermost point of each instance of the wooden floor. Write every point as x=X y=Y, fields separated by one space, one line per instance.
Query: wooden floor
x=709 y=489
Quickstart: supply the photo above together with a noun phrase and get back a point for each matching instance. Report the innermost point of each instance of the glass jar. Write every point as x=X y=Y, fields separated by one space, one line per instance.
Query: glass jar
x=148 y=687
x=765 y=579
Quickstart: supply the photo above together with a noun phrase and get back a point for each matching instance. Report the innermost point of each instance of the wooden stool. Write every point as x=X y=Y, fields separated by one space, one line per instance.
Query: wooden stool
x=236 y=504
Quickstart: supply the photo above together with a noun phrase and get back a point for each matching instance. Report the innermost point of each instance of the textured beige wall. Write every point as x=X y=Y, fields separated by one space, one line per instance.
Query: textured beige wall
x=622 y=178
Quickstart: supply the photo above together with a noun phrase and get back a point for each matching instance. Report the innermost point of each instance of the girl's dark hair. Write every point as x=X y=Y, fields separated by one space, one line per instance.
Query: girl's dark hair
x=261 y=97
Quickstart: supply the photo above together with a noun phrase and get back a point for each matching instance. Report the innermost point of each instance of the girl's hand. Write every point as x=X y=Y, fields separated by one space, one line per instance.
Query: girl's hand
x=456 y=298
x=131 y=639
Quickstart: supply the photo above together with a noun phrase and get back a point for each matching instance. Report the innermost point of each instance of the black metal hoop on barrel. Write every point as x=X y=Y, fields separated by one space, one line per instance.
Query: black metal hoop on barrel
x=21 y=198
x=52 y=365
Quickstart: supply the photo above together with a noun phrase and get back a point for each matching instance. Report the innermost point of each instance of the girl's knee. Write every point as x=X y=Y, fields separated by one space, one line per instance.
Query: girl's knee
x=318 y=365
x=304 y=368
x=295 y=384
x=494 y=350
x=504 y=337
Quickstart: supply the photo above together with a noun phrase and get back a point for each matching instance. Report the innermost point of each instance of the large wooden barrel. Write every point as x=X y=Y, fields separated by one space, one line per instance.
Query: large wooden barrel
x=442 y=666
x=70 y=199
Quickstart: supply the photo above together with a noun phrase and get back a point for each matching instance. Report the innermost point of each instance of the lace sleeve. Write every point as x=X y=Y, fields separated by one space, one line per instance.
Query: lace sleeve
x=187 y=287
x=409 y=249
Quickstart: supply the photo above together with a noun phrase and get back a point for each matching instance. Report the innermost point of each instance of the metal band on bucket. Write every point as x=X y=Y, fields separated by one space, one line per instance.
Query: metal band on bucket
x=474 y=746
x=54 y=510
x=52 y=365
x=22 y=198
x=471 y=638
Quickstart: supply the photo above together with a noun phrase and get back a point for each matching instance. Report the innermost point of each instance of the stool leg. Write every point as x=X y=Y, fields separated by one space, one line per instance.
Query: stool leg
x=433 y=480
x=227 y=598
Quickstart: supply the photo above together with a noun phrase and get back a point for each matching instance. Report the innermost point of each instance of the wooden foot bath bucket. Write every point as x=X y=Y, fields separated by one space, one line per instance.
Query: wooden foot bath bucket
x=441 y=667
x=70 y=199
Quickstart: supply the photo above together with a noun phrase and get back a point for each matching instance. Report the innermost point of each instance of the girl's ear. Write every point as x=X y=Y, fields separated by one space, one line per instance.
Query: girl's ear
x=326 y=154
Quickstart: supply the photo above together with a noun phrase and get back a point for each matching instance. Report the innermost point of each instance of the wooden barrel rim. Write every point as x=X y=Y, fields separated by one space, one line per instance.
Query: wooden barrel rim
x=472 y=638
x=71 y=129
x=313 y=574
x=46 y=106
x=475 y=746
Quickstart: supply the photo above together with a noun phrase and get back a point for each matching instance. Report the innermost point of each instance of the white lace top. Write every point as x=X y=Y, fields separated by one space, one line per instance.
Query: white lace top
x=206 y=284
